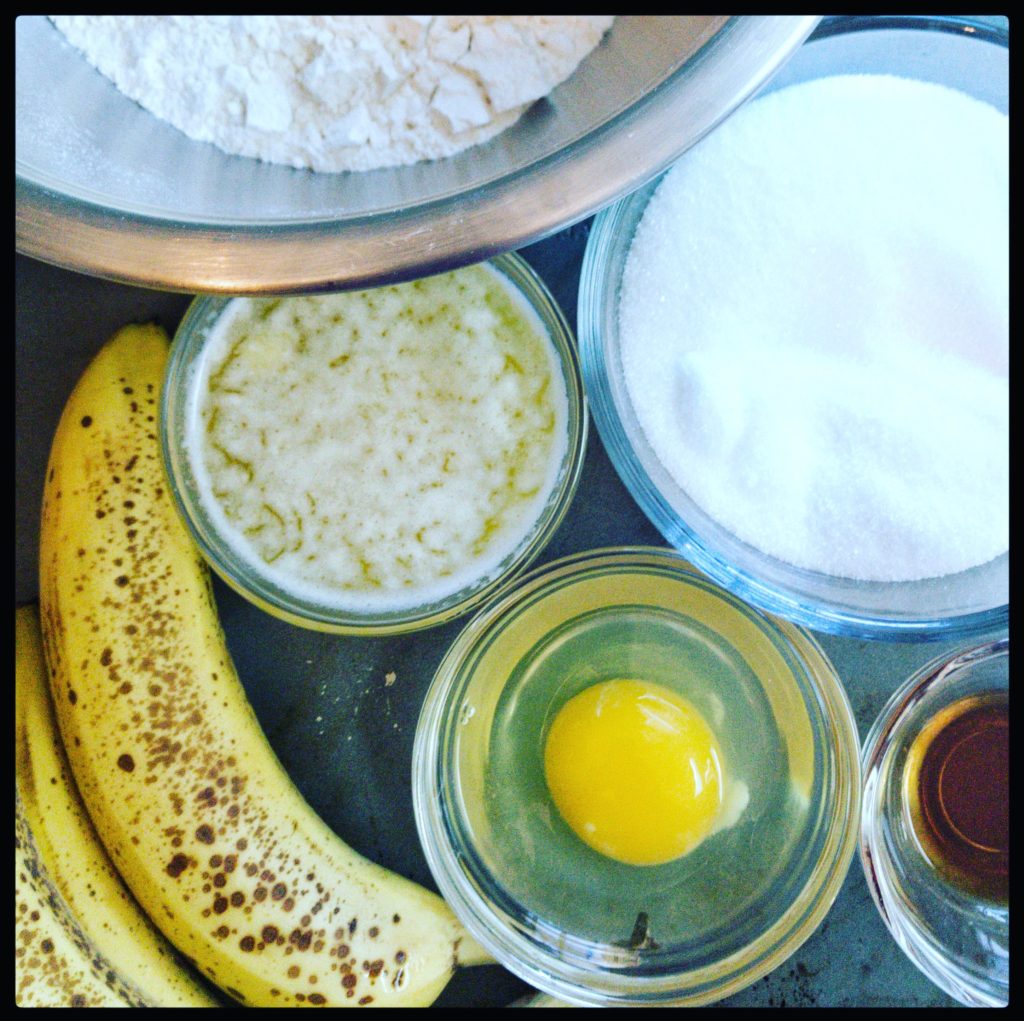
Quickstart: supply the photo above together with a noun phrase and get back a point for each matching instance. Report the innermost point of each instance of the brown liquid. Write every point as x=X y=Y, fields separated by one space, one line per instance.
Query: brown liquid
x=958 y=773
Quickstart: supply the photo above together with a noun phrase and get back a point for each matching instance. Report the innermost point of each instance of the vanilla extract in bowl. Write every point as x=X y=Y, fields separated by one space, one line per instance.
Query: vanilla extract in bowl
x=957 y=792
x=935 y=820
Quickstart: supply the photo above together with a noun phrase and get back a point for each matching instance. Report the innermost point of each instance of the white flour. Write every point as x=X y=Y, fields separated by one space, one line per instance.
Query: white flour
x=815 y=327
x=336 y=92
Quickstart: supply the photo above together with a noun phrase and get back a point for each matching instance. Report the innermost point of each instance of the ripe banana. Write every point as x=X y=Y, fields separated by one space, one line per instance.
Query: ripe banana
x=54 y=963
x=196 y=812
x=69 y=848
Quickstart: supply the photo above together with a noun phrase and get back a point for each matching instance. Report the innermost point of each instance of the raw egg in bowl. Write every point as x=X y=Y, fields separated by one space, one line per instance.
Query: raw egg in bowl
x=632 y=787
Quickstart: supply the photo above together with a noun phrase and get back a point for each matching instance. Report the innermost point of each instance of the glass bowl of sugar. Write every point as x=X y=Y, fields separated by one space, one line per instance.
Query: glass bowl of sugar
x=796 y=342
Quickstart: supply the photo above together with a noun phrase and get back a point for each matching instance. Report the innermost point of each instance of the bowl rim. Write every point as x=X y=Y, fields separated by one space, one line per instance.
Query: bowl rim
x=186 y=350
x=957 y=24
x=517 y=951
x=916 y=942
x=786 y=601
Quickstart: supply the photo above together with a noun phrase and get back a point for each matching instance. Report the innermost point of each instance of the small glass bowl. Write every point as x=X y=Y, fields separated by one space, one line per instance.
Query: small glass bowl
x=564 y=917
x=957 y=52
x=178 y=414
x=960 y=941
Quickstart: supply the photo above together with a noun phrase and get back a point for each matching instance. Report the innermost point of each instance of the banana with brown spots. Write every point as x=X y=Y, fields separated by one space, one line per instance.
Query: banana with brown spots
x=55 y=964
x=68 y=845
x=194 y=808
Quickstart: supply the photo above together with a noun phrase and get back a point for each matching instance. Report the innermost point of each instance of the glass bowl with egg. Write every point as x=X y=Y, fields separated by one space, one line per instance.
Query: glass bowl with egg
x=633 y=788
x=378 y=461
x=795 y=343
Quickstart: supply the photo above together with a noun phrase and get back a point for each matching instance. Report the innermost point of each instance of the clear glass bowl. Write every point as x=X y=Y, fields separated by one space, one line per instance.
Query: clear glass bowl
x=957 y=52
x=564 y=917
x=960 y=941
x=178 y=414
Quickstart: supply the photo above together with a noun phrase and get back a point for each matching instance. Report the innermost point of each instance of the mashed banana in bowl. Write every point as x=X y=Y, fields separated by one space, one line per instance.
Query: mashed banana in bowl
x=375 y=461
x=379 y=448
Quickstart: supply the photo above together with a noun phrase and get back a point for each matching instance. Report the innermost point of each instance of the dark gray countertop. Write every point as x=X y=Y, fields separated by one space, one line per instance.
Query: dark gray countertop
x=344 y=736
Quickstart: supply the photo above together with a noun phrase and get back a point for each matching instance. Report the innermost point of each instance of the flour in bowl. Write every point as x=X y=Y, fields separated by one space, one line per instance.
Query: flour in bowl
x=336 y=92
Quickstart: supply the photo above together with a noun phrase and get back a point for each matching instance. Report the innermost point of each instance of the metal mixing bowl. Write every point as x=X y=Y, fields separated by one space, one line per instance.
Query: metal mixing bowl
x=106 y=188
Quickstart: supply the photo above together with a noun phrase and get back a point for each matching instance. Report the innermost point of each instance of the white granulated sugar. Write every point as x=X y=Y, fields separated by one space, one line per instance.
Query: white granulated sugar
x=336 y=92
x=815 y=327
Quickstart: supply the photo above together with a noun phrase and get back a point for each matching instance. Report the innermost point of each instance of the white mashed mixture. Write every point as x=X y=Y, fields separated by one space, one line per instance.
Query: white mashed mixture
x=379 y=449
x=340 y=91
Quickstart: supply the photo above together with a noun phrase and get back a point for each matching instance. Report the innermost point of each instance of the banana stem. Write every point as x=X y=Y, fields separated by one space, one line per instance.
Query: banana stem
x=470 y=953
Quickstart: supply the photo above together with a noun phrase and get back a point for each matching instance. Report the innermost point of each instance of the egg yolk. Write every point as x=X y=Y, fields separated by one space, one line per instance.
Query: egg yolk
x=635 y=771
